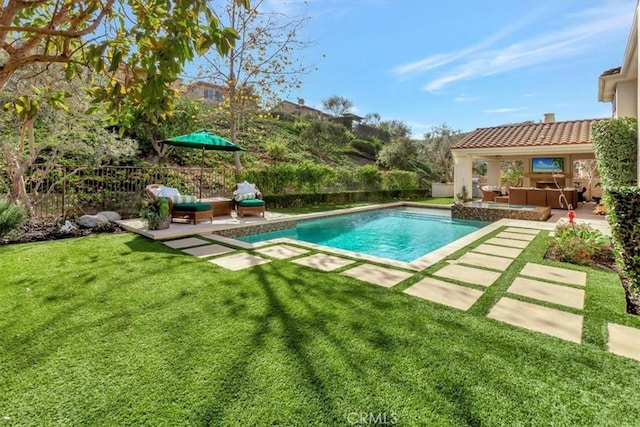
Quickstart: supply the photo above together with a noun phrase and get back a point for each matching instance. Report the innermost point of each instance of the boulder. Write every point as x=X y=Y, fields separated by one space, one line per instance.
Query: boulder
x=111 y=215
x=93 y=221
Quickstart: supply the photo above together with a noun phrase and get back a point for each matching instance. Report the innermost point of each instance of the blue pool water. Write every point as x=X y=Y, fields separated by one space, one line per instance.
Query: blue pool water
x=401 y=234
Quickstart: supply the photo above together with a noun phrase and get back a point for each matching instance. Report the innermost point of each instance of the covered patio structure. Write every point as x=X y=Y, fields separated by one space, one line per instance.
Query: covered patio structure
x=531 y=143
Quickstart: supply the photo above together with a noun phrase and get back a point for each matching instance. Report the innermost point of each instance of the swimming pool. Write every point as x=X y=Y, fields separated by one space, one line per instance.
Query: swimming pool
x=402 y=234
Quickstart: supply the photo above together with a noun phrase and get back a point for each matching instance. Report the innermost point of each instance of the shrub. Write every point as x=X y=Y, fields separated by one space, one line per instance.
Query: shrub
x=313 y=176
x=615 y=143
x=400 y=180
x=398 y=154
x=304 y=177
x=367 y=148
x=369 y=177
x=576 y=243
x=12 y=216
x=325 y=137
x=623 y=205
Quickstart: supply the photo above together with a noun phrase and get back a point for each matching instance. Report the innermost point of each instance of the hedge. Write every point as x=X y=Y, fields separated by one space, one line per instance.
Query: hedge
x=297 y=200
x=624 y=218
x=615 y=143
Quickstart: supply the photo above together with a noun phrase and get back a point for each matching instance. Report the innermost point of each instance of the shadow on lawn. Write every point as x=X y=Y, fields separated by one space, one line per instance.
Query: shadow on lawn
x=351 y=345
x=302 y=311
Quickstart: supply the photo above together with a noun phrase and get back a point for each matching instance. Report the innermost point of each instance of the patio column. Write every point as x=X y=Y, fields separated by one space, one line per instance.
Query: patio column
x=462 y=173
x=493 y=172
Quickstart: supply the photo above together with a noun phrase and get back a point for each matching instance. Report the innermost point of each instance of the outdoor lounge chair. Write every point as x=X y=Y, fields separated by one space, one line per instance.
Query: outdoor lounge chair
x=247 y=199
x=488 y=195
x=183 y=207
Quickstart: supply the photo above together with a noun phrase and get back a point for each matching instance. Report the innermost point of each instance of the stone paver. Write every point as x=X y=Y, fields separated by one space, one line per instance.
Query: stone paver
x=377 y=275
x=522 y=230
x=185 y=243
x=515 y=236
x=282 y=251
x=555 y=274
x=239 y=261
x=544 y=291
x=486 y=261
x=498 y=250
x=468 y=274
x=323 y=262
x=561 y=324
x=624 y=341
x=521 y=244
x=444 y=293
x=207 y=250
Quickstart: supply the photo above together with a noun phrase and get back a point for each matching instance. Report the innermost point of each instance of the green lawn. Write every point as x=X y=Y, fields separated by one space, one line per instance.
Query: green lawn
x=120 y=330
x=326 y=207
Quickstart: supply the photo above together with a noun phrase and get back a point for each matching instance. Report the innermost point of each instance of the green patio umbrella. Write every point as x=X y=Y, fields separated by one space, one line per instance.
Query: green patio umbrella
x=204 y=140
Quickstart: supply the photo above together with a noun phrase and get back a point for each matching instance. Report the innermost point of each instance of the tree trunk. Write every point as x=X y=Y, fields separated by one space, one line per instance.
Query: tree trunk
x=18 y=168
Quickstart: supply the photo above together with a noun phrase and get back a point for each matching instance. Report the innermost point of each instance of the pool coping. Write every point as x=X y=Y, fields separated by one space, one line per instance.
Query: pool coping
x=255 y=223
x=215 y=232
x=418 y=264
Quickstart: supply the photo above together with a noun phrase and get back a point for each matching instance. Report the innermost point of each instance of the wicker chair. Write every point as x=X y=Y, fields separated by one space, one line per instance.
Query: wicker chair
x=488 y=195
x=193 y=212
x=249 y=206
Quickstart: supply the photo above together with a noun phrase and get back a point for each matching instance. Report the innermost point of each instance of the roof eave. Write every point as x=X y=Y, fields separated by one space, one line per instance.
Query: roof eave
x=607 y=84
x=575 y=148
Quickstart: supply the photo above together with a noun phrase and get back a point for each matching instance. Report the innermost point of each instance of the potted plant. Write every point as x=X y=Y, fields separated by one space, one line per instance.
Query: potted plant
x=156 y=213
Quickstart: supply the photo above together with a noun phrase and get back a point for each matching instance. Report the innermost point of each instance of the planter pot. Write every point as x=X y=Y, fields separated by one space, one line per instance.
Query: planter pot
x=159 y=223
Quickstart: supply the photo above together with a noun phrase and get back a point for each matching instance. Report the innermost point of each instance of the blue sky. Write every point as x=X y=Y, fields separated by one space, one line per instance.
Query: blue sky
x=466 y=63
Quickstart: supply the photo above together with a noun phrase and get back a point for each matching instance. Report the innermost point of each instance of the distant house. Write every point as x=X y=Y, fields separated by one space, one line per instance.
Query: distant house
x=620 y=85
x=202 y=90
x=300 y=110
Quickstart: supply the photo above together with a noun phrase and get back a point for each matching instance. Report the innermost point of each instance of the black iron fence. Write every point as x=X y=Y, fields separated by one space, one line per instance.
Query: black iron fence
x=64 y=192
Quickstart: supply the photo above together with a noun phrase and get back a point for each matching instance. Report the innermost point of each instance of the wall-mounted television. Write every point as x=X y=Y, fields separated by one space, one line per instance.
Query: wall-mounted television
x=547 y=164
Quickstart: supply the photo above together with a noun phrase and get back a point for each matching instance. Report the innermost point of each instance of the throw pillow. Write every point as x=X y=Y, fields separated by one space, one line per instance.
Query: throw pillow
x=241 y=197
x=245 y=188
x=184 y=199
x=168 y=192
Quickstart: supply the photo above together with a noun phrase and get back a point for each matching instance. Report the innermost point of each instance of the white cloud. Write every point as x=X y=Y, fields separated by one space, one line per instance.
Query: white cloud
x=438 y=60
x=502 y=110
x=576 y=34
x=465 y=99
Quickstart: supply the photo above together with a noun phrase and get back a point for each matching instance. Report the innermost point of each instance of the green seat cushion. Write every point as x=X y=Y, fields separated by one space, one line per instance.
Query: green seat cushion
x=191 y=207
x=251 y=203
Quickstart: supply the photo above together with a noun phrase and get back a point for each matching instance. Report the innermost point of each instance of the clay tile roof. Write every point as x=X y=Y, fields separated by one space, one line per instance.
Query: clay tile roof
x=530 y=135
x=611 y=71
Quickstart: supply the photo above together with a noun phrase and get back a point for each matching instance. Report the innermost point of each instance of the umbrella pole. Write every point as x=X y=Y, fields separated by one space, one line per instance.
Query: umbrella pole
x=201 y=170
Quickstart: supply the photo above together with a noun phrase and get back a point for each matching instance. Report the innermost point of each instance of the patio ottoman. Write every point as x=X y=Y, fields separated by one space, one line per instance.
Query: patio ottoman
x=250 y=206
x=193 y=212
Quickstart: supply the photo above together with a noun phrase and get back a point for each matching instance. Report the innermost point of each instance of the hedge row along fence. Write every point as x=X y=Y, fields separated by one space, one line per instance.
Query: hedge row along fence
x=615 y=144
x=297 y=200
x=65 y=192
x=309 y=177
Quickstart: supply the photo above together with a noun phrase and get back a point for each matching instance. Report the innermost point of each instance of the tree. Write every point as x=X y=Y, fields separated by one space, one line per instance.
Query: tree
x=372 y=119
x=395 y=128
x=337 y=105
x=400 y=153
x=188 y=114
x=512 y=173
x=437 y=150
x=135 y=48
x=260 y=66
x=65 y=131
x=139 y=47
